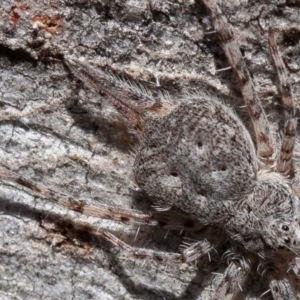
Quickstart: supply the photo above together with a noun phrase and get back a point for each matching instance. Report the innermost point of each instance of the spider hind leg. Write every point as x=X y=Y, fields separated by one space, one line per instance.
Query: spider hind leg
x=129 y=99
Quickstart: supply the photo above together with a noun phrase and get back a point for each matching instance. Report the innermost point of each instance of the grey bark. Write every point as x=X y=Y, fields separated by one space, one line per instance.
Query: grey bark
x=55 y=131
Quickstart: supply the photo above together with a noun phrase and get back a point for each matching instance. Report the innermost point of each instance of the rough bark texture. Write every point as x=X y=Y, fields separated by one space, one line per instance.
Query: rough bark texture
x=55 y=131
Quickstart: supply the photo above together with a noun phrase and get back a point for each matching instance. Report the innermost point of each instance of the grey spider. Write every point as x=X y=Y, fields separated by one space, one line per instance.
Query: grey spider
x=197 y=159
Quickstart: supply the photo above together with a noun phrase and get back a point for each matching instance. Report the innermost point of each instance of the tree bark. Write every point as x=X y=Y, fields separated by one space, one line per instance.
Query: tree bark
x=56 y=131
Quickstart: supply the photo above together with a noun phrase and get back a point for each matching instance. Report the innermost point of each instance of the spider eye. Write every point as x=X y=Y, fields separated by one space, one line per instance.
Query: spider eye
x=285 y=227
x=287 y=240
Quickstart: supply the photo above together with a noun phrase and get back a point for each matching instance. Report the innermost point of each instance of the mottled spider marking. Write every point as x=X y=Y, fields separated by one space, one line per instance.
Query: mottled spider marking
x=181 y=165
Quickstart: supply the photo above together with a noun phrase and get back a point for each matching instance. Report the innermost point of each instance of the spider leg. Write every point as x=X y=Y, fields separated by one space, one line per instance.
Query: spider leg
x=290 y=123
x=231 y=283
x=193 y=252
x=230 y=46
x=103 y=83
x=160 y=219
x=281 y=286
x=295 y=266
x=197 y=250
x=130 y=100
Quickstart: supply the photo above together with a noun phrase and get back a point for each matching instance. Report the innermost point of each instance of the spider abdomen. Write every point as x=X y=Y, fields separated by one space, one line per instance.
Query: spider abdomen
x=200 y=151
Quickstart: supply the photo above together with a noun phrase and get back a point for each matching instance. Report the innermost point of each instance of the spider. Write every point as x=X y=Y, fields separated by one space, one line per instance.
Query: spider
x=199 y=163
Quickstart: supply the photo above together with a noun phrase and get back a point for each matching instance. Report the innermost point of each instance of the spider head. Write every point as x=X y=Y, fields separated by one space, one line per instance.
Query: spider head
x=267 y=222
x=279 y=212
x=285 y=235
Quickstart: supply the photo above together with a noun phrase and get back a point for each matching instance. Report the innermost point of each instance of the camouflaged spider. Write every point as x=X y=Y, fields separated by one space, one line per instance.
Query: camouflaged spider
x=198 y=159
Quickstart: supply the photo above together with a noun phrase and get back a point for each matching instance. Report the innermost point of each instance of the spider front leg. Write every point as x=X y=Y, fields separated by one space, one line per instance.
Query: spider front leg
x=290 y=123
x=231 y=283
x=193 y=252
x=264 y=139
x=280 y=285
